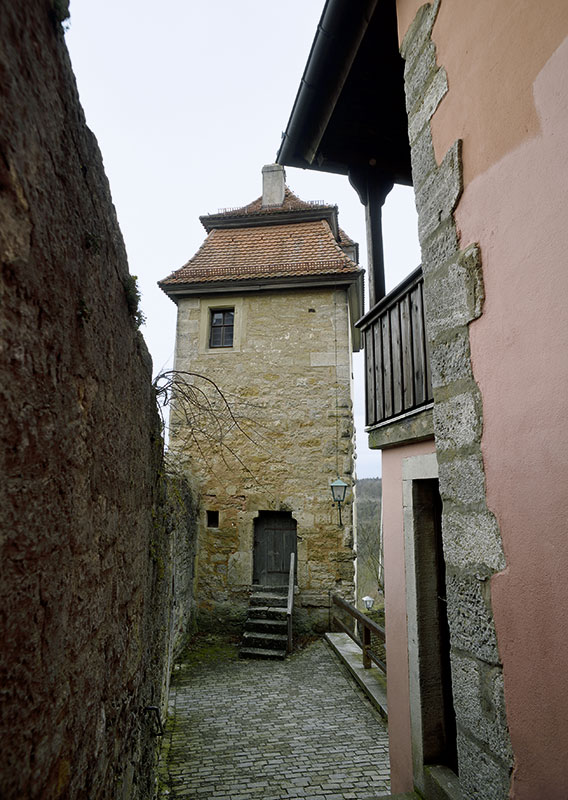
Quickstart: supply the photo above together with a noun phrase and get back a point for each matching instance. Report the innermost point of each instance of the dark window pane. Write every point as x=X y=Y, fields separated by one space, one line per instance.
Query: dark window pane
x=217 y=318
x=217 y=337
x=228 y=317
x=228 y=338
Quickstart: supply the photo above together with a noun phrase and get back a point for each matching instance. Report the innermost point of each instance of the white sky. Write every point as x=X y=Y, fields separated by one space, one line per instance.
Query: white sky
x=188 y=100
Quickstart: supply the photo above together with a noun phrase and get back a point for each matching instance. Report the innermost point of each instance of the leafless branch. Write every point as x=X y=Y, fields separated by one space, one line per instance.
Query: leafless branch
x=204 y=423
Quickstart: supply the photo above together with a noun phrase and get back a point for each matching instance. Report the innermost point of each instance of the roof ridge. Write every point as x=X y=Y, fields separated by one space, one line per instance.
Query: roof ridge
x=291 y=202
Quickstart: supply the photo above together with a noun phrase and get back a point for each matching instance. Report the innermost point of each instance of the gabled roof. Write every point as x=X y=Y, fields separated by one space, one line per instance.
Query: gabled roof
x=255 y=242
x=240 y=254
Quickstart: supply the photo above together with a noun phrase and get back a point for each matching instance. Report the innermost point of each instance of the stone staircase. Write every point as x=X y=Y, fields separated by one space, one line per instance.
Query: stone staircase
x=266 y=632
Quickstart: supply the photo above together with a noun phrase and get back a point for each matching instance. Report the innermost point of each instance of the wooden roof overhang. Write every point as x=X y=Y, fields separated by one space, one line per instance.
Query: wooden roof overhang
x=349 y=115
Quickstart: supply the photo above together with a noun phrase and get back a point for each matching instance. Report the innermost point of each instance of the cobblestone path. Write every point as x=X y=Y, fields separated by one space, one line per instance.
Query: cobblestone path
x=299 y=728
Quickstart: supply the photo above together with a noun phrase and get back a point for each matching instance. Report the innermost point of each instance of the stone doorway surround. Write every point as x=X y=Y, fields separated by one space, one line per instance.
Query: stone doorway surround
x=424 y=645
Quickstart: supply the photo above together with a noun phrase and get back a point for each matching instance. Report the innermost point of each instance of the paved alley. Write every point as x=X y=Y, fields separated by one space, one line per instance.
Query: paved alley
x=299 y=728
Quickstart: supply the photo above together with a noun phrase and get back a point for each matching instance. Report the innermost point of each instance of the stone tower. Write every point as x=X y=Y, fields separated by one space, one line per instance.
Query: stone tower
x=265 y=327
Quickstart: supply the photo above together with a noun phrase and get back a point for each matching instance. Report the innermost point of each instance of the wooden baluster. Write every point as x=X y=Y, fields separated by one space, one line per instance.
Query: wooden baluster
x=366 y=647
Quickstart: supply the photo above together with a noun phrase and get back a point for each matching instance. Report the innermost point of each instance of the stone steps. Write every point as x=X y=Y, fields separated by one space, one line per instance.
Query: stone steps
x=267 y=625
x=266 y=629
x=261 y=653
x=272 y=641
x=267 y=599
x=268 y=612
x=282 y=589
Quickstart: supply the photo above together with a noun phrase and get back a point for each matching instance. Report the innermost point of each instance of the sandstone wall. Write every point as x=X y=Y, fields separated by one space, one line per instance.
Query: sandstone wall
x=288 y=379
x=84 y=591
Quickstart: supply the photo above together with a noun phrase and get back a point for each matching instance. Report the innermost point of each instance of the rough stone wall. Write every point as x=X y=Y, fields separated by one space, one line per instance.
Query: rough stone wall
x=173 y=550
x=83 y=595
x=288 y=380
x=472 y=542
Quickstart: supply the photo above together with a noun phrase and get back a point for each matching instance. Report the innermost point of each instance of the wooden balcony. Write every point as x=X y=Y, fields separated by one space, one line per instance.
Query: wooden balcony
x=397 y=365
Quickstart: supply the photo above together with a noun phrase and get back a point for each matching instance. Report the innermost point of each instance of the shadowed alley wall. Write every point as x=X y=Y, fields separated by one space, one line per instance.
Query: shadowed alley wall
x=86 y=543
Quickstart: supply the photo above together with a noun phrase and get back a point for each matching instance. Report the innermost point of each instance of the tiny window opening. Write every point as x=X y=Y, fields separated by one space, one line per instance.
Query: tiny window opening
x=212 y=519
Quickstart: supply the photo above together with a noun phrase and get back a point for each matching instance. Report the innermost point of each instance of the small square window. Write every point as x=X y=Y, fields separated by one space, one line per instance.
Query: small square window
x=212 y=519
x=222 y=326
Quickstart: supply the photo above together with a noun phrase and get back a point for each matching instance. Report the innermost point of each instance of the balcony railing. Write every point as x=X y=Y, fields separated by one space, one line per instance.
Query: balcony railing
x=397 y=365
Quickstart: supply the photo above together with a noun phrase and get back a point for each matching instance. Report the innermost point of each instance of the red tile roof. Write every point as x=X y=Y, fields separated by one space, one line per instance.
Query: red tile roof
x=262 y=250
x=344 y=239
x=305 y=248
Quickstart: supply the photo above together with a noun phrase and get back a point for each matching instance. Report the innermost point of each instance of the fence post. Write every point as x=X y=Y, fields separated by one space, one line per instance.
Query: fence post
x=366 y=647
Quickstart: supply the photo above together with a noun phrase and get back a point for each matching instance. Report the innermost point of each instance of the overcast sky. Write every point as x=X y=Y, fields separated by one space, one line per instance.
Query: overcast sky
x=188 y=100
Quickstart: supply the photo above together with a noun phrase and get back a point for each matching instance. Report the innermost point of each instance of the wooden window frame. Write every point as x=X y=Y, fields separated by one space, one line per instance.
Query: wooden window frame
x=224 y=327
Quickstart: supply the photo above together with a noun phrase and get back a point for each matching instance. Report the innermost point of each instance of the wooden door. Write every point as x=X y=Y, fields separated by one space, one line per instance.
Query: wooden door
x=274 y=541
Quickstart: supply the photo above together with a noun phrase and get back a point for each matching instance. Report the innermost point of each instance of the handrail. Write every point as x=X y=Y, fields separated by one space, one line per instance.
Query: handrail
x=368 y=626
x=290 y=605
x=392 y=297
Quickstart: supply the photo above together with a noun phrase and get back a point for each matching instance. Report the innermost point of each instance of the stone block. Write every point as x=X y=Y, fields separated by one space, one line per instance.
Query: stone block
x=470 y=260
x=481 y=775
x=438 y=195
x=479 y=704
x=423 y=158
x=470 y=617
x=418 y=75
x=421 y=467
x=450 y=358
x=322 y=359
x=419 y=31
x=422 y=115
x=454 y=293
x=240 y=568
x=462 y=480
x=441 y=246
x=186 y=304
x=305 y=519
x=457 y=422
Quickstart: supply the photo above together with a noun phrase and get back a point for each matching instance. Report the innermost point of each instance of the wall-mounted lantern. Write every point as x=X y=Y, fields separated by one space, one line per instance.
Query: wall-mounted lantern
x=369 y=602
x=338 y=489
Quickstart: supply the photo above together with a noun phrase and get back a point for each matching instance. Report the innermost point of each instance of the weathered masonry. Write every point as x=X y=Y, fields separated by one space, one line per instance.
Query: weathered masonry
x=89 y=531
x=266 y=312
x=466 y=371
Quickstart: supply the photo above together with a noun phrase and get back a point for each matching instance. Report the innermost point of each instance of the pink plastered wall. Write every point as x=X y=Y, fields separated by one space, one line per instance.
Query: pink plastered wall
x=395 y=613
x=517 y=210
x=508 y=101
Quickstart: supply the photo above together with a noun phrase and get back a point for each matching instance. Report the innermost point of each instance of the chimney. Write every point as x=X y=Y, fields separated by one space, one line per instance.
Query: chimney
x=273 y=178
